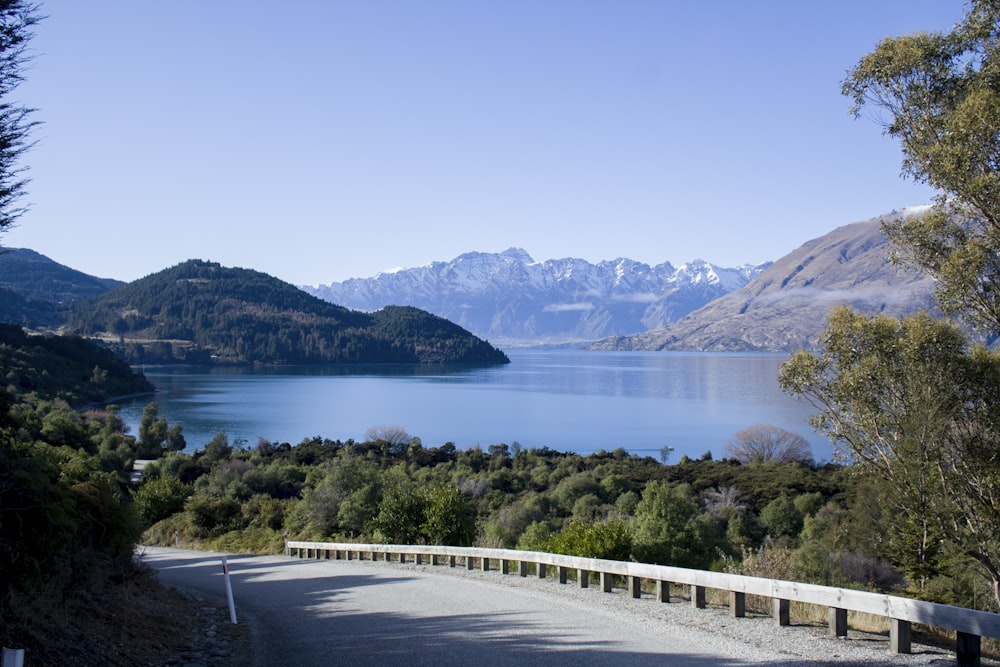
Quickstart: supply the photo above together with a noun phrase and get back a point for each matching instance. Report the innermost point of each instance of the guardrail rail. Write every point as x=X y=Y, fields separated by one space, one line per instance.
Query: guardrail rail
x=969 y=625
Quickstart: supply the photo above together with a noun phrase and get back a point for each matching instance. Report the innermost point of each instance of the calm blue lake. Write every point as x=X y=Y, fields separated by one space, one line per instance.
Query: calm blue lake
x=565 y=399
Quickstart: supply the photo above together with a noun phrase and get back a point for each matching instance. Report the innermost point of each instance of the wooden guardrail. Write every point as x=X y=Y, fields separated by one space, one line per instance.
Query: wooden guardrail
x=969 y=625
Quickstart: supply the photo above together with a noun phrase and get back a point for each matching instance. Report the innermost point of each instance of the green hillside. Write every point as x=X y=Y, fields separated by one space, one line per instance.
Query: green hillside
x=202 y=312
x=38 y=278
x=64 y=367
x=16 y=309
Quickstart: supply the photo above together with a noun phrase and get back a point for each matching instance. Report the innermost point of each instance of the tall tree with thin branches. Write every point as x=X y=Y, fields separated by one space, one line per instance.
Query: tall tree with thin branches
x=911 y=402
x=16 y=20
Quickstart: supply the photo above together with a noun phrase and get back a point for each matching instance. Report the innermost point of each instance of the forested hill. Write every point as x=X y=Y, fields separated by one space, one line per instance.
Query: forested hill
x=201 y=312
x=34 y=289
x=64 y=367
x=38 y=278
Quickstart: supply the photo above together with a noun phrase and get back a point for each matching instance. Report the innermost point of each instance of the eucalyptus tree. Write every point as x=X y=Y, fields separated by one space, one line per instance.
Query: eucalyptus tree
x=912 y=402
x=939 y=94
x=911 y=405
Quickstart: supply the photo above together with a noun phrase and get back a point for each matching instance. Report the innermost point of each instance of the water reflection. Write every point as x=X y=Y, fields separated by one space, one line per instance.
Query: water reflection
x=567 y=400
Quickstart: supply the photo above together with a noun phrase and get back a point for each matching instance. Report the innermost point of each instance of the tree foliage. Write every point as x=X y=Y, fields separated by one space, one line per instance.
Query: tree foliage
x=830 y=524
x=156 y=436
x=64 y=367
x=909 y=404
x=781 y=518
x=447 y=517
x=912 y=404
x=939 y=94
x=610 y=539
x=666 y=529
x=16 y=20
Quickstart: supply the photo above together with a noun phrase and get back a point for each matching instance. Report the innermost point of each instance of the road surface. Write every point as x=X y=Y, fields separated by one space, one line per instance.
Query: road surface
x=308 y=612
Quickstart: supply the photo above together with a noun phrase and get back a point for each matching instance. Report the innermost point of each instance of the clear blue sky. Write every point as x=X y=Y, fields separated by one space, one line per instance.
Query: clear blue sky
x=319 y=140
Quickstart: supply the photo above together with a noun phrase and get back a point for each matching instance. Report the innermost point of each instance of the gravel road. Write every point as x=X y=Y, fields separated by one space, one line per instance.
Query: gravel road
x=307 y=612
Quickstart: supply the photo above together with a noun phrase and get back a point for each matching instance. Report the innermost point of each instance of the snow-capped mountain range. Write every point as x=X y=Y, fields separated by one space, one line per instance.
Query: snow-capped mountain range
x=511 y=299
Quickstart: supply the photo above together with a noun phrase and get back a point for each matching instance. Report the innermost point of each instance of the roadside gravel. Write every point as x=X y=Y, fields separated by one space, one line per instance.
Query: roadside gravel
x=762 y=639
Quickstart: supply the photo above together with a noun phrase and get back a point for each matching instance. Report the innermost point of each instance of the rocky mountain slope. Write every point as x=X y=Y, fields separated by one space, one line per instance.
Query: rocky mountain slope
x=785 y=307
x=510 y=298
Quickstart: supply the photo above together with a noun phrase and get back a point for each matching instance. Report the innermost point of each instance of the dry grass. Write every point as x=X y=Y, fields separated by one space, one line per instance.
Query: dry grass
x=133 y=622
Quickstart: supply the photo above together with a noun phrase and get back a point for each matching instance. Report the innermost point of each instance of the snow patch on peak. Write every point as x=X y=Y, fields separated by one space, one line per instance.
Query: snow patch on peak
x=511 y=296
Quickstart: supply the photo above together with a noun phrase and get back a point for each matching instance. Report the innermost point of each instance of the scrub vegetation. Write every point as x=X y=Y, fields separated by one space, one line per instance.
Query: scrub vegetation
x=911 y=507
x=825 y=524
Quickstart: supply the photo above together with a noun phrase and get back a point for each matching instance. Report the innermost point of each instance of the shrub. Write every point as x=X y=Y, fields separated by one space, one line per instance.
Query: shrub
x=611 y=540
x=158 y=498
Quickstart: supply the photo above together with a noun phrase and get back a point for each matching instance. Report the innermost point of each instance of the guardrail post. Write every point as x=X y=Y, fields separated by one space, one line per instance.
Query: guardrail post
x=522 y=568
x=349 y=554
x=698 y=597
x=635 y=586
x=418 y=559
x=838 y=622
x=607 y=581
x=13 y=657
x=781 y=611
x=387 y=557
x=967 y=649
x=563 y=574
x=468 y=563
x=900 y=636
x=451 y=561
x=504 y=566
x=541 y=570
x=486 y=564
x=737 y=604
x=583 y=578
x=662 y=591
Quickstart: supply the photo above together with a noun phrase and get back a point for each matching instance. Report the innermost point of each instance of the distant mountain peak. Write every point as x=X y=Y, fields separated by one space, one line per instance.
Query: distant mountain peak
x=511 y=297
x=785 y=307
x=518 y=254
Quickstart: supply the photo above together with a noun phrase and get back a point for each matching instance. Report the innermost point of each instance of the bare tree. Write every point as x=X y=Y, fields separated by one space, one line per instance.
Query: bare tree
x=723 y=500
x=391 y=434
x=763 y=442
